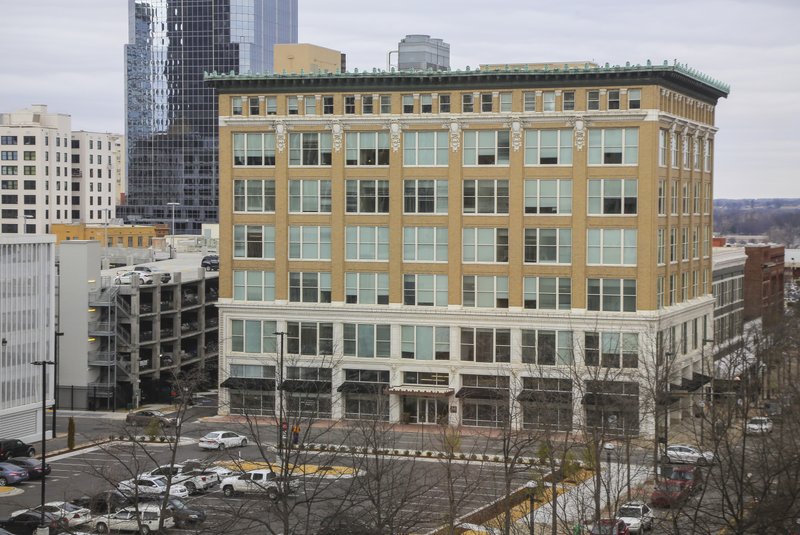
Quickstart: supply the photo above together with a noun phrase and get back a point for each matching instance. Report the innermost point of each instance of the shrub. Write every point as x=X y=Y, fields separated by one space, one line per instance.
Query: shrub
x=162 y=438
x=418 y=452
x=429 y=453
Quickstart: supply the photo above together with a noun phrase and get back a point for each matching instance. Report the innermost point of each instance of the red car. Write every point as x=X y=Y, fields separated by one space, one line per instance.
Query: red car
x=668 y=493
x=689 y=476
x=610 y=526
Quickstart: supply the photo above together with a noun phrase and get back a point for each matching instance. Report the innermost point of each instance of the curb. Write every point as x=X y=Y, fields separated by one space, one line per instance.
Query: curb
x=10 y=491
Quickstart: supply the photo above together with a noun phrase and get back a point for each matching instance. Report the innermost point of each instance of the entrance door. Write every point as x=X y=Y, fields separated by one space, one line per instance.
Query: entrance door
x=431 y=410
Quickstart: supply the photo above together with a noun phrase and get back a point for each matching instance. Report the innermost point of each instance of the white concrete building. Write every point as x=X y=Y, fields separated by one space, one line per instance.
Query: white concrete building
x=27 y=331
x=95 y=157
x=34 y=149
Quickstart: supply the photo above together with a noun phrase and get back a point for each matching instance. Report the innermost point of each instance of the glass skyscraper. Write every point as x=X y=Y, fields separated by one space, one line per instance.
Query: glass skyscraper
x=171 y=115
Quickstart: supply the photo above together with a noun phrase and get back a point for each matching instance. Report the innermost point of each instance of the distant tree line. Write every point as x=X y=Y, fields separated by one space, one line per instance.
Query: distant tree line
x=779 y=219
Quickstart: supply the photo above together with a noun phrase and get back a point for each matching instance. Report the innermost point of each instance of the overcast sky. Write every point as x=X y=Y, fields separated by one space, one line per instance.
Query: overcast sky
x=69 y=55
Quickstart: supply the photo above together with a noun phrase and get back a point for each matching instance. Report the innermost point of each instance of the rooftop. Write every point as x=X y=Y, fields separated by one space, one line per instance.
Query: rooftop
x=188 y=264
x=583 y=74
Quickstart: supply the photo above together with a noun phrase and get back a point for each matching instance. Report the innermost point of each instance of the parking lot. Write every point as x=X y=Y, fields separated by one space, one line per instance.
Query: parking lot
x=417 y=493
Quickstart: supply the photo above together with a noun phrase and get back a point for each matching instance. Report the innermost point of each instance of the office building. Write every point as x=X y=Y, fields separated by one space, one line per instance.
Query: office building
x=421 y=53
x=95 y=176
x=171 y=128
x=27 y=330
x=475 y=246
x=308 y=58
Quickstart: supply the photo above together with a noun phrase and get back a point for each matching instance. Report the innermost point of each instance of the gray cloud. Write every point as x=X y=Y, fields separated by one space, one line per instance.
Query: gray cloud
x=70 y=56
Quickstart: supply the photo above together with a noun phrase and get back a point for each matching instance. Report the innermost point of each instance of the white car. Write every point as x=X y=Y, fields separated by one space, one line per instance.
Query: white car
x=637 y=516
x=126 y=519
x=681 y=453
x=152 y=485
x=194 y=479
x=67 y=512
x=758 y=425
x=127 y=277
x=219 y=440
x=220 y=472
x=257 y=481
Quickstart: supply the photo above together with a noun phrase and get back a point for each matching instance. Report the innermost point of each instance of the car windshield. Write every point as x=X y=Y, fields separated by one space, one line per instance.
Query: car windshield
x=159 y=481
x=215 y=434
x=177 y=504
x=630 y=512
x=68 y=507
x=682 y=475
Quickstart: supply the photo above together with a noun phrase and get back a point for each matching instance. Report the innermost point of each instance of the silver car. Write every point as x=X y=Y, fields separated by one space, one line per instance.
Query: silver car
x=681 y=453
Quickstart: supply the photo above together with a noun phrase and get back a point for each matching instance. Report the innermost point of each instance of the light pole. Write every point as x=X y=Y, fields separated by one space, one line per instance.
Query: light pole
x=280 y=336
x=609 y=448
x=704 y=398
x=172 y=232
x=669 y=356
x=55 y=382
x=531 y=486
x=43 y=363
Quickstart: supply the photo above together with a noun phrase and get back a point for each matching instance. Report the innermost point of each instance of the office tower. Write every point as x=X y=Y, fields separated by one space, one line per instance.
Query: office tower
x=420 y=52
x=517 y=242
x=171 y=114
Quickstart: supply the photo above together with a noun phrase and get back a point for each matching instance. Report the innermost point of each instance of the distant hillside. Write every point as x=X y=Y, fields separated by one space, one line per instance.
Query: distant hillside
x=777 y=218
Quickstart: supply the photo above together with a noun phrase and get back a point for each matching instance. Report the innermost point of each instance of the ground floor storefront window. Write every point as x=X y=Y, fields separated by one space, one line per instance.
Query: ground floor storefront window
x=252 y=403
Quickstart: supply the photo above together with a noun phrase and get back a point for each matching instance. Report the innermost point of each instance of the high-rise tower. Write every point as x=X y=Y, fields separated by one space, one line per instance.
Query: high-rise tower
x=171 y=116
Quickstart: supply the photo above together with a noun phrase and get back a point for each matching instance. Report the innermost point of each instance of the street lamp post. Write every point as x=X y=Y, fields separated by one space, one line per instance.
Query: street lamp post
x=704 y=399
x=280 y=336
x=172 y=232
x=43 y=363
x=531 y=486
x=669 y=356
x=609 y=448
x=55 y=382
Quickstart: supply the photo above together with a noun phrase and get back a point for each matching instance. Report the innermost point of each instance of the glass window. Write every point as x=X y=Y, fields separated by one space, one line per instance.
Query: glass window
x=408 y=103
x=467 y=103
x=253 y=336
x=310 y=243
x=444 y=103
x=485 y=196
x=253 y=286
x=292 y=107
x=254 y=149
x=612 y=246
x=366 y=340
x=485 y=291
x=367 y=106
x=548 y=246
x=568 y=101
x=613 y=196
x=350 y=104
x=612 y=295
x=505 y=102
x=313 y=339
x=426 y=103
x=236 y=107
x=367 y=288
x=546 y=348
x=425 y=290
x=548 y=147
x=529 y=101
x=613 y=99
x=425 y=148
x=549 y=101
x=254 y=241
x=386 y=104
x=425 y=244
x=310 y=148
x=367 y=243
x=634 y=99
x=308 y=287
x=310 y=196
x=327 y=105
x=548 y=196
x=547 y=293
x=593 y=100
x=367 y=196
x=486 y=102
x=271 y=105
x=486 y=147
x=254 y=196
x=610 y=146
x=425 y=196
x=425 y=343
x=367 y=148
x=485 y=345
x=485 y=245
x=255 y=109
x=310 y=105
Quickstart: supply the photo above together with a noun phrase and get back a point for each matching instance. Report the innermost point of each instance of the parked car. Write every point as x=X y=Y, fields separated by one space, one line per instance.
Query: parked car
x=681 y=453
x=183 y=513
x=144 y=417
x=610 y=526
x=637 y=516
x=668 y=493
x=105 y=502
x=758 y=425
x=154 y=272
x=259 y=482
x=220 y=472
x=28 y=522
x=689 y=476
x=11 y=474
x=144 y=518
x=11 y=447
x=67 y=513
x=193 y=479
x=127 y=277
x=34 y=467
x=219 y=440
x=151 y=485
x=210 y=262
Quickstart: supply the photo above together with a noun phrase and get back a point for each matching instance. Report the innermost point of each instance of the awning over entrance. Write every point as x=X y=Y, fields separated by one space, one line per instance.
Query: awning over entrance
x=545 y=397
x=475 y=392
x=248 y=383
x=314 y=387
x=421 y=391
x=697 y=381
x=360 y=387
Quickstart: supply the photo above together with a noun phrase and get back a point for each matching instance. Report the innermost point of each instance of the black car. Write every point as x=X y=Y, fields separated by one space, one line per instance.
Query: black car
x=210 y=262
x=33 y=466
x=183 y=513
x=28 y=522
x=11 y=447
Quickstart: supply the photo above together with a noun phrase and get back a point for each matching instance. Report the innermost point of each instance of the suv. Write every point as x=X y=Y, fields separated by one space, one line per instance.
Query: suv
x=758 y=425
x=11 y=447
x=155 y=272
x=688 y=476
x=257 y=481
x=142 y=518
x=183 y=513
x=210 y=262
x=637 y=516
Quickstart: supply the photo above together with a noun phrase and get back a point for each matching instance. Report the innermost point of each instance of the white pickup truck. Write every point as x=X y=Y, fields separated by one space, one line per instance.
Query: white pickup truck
x=188 y=475
x=257 y=481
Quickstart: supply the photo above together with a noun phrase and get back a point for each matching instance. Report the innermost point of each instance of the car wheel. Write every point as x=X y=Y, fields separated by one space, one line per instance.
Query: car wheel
x=272 y=494
x=702 y=461
x=243 y=443
x=101 y=527
x=31 y=452
x=191 y=488
x=145 y=530
x=228 y=491
x=3 y=482
x=221 y=446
